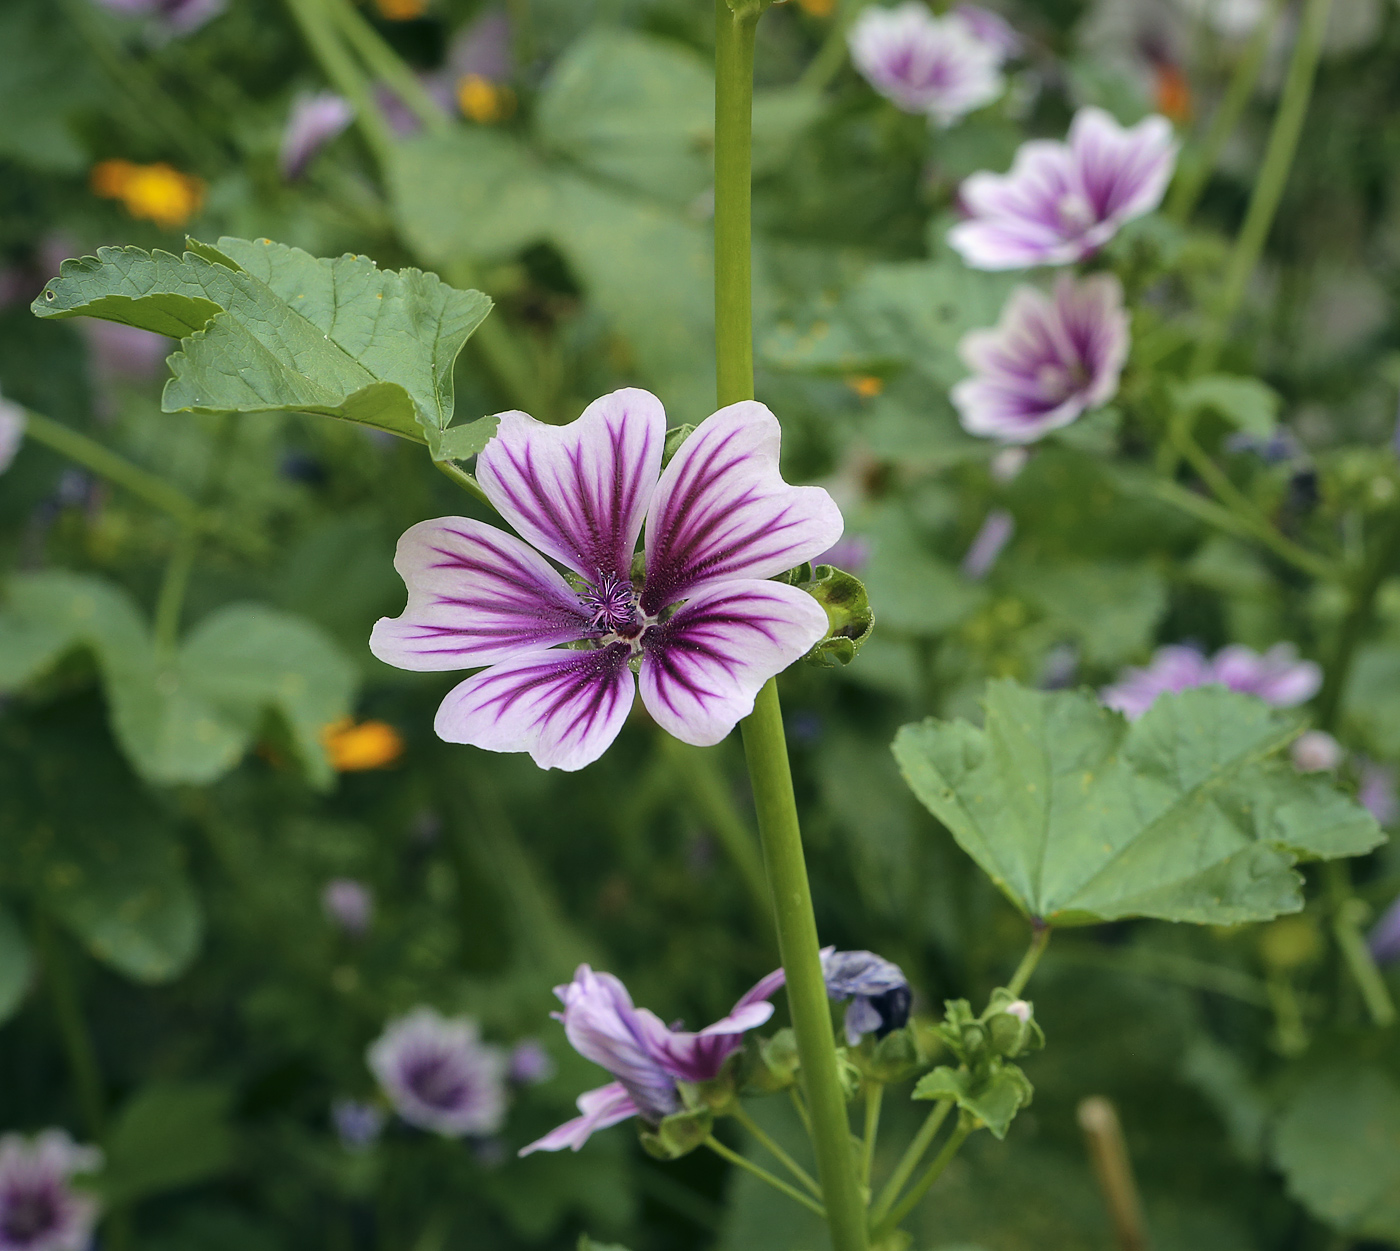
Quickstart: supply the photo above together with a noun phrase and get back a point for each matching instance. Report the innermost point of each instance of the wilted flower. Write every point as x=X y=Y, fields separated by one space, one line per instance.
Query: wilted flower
x=12 y=423
x=878 y=990
x=157 y=193
x=439 y=1075
x=530 y=1063
x=1278 y=677
x=39 y=1209
x=991 y=28
x=354 y=746
x=1049 y=359
x=357 y=1125
x=647 y=1057
x=704 y=626
x=994 y=535
x=1384 y=940
x=172 y=17
x=1062 y=202
x=1316 y=752
x=936 y=66
x=348 y=903
x=315 y=120
x=1376 y=792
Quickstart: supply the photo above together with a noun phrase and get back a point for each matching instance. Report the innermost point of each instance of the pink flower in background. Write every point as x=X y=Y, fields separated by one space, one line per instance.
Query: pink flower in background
x=12 y=423
x=530 y=1063
x=1062 y=202
x=703 y=626
x=1316 y=752
x=1376 y=792
x=314 y=121
x=1049 y=359
x=349 y=904
x=39 y=1209
x=1277 y=676
x=924 y=64
x=991 y=28
x=646 y=1056
x=439 y=1075
x=994 y=535
x=175 y=17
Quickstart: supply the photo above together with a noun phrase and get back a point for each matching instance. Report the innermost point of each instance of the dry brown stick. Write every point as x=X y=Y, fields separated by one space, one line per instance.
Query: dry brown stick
x=1109 y=1154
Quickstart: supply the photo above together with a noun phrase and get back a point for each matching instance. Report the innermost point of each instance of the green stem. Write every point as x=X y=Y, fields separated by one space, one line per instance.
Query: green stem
x=909 y=1161
x=1040 y=940
x=92 y=455
x=831 y=56
x=874 y=1097
x=72 y=1029
x=775 y=1150
x=763 y=1174
x=800 y=1104
x=1192 y=181
x=1268 y=189
x=1348 y=917
x=934 y=1171
x=765 y=746
x=170 y=603
x=463 y=479
x=387 y=64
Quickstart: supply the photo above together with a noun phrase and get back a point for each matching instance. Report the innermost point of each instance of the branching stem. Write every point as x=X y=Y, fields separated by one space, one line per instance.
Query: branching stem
x=763 y=1174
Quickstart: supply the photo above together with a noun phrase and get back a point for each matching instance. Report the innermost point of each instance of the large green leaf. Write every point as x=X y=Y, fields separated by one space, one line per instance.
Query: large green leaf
x=269 y=328
x=1338 y=1143
x=167 y=1135
x=1188 y=814
x=16 y=964
x=189 y=717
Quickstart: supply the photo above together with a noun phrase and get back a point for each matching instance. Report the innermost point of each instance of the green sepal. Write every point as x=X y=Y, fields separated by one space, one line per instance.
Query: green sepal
x=772 y=1065
x=850 y=619
x=894 y=1058
x=993 y=1098
x=717 y=1094
x=679 y=1134
x=849 y=1073
x=674 y=438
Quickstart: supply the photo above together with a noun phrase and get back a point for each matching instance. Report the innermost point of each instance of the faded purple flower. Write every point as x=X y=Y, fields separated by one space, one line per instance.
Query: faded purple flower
x=314 y=121
x=12 y=423
x=482 y=47
x=936 y=66
x=994 y=535
x=1277 y=676
x=348 y=903
x=39 y=1209
x=178 y=17
x=530 y=1063
x=357 y=1125
x=1384 y=939
x=1062 y=202
x=1376 y=792
x=1316 y=752
x=991 y=28
x=439 y=1075
x=704 y=625
x=647 y=1057
x=1049 y=359
x=849 y=554
x=878 y=990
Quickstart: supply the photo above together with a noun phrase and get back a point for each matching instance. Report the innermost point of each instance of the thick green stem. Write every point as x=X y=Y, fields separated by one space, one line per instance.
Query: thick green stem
x=1040 y=939
x=1192 y=180
x=766 y=1141
x=763 y=1174
x=1268 y=189
x=934 y=1171
x=909 y=1161
x=764 y=743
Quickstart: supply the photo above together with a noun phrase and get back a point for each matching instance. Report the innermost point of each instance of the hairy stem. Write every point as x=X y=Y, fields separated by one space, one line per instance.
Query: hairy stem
x=1268 y=189
x=934 y=1171
x=763 y=1174
x=765 y=746
x=909 y=1161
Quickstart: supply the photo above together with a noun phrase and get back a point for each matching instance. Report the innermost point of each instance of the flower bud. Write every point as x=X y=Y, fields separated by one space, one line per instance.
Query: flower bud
x=678 y=1134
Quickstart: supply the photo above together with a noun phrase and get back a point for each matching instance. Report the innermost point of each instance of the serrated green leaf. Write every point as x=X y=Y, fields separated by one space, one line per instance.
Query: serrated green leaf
x=1187 y=814
x=285 y=331
x=994 y=1100
x=168 y=1135
x=16 y=964
x=1246 y=403
x=1338 y=1144
x=463 y=442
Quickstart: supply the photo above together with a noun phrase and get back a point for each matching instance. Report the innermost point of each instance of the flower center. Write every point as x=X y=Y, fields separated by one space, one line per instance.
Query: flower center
x=1075 y=211
x=612 y=608
x=27 y=1216
x=438 y=1082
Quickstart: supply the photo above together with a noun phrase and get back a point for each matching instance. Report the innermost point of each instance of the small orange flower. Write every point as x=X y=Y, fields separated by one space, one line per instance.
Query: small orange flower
x=817 y=8
x=867 y=386
x=484 y=101
x=157 y=193
x=355 y=746
x=1173 y=93
x=401 y=10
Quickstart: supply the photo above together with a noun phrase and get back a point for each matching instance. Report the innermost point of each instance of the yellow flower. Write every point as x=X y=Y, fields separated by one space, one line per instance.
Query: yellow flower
x=817 y=8
x=484 y=101
x=354 y=747
x=157 y=193
x=867 y=386
x=401 y=10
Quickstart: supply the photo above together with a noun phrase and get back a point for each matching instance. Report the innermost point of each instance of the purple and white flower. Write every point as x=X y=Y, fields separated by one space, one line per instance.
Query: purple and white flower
x=994 y=535
x=935 y=66
x=646 y=1056
x=878 y=990
x=349 y=904
x=174 y=17
x=1049 y=359
x=12 y=424
x=991 y=28
x=1277 y=676
x=439 y=1075
x=39 y=1209
x=703 y=628
x=1062 y=202
x=314 y=121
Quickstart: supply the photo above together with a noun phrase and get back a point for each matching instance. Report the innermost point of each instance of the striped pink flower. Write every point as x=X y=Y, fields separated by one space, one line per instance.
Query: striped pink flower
x=692 y=616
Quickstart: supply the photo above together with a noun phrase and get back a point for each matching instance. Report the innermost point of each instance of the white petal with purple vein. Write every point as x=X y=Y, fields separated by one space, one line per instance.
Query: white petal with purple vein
x=604 y=1106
